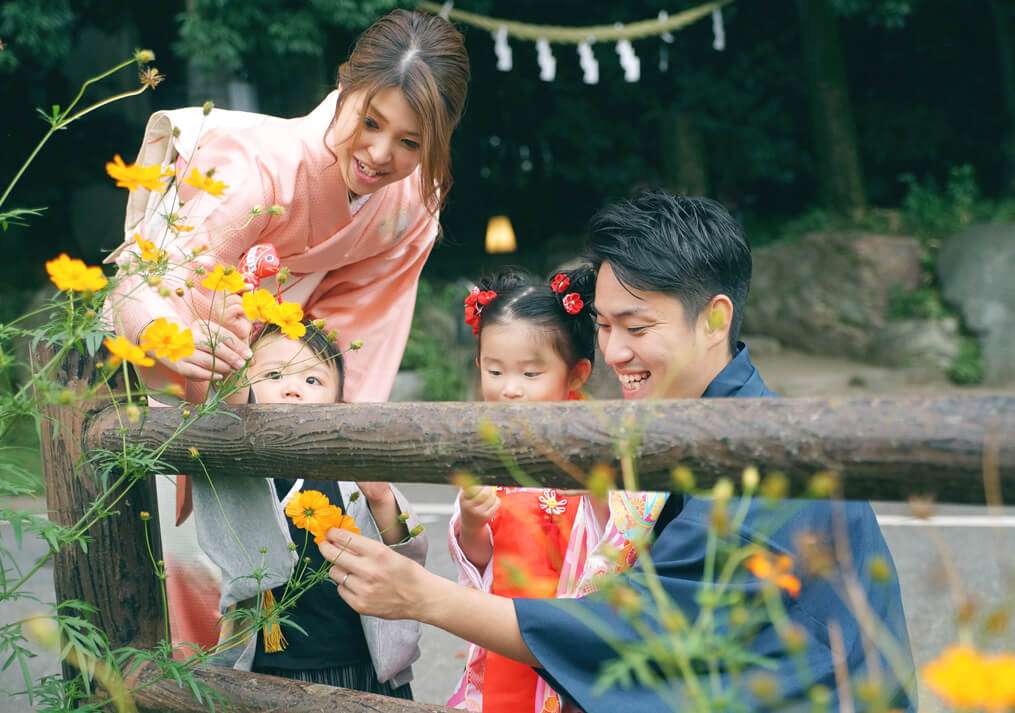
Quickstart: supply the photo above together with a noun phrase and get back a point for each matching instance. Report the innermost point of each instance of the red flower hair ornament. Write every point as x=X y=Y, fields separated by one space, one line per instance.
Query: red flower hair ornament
x=572 y=301
x=474 y=304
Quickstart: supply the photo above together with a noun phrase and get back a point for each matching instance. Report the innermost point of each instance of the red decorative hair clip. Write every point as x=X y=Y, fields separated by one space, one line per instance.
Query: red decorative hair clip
x=573 y=303
x=474 y=304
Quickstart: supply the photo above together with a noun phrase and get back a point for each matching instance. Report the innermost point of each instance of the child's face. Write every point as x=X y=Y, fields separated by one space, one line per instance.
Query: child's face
x=517 y=362
x=286 y=371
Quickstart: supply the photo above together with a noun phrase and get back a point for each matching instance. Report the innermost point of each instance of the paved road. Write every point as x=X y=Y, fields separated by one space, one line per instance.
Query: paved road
x=983 y=558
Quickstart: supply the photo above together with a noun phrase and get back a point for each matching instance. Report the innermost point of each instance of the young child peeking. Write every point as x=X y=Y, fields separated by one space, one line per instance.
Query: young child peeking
x=271 y=526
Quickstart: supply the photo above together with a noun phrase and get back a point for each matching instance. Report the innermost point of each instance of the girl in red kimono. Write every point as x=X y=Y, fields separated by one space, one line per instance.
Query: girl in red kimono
x=536 y=343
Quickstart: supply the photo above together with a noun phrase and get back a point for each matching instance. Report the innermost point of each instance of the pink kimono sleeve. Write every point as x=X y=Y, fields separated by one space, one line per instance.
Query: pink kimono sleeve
x=373 y=300
x=224 y=226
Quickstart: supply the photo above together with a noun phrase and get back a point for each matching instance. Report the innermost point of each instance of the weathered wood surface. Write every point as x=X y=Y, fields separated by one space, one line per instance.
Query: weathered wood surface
x=884 y=448
x=115 y=575
x=244 y=692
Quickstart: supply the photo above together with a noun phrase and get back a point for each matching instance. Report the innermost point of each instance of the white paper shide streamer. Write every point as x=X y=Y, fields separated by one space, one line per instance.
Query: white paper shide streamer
x=502 y=49
x=547 y=62
x=664 y=49
x=629 y=61
x=588 y=62
x=718 y=30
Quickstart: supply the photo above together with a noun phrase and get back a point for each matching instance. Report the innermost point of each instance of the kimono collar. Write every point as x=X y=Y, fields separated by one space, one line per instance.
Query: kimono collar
x=739 y=378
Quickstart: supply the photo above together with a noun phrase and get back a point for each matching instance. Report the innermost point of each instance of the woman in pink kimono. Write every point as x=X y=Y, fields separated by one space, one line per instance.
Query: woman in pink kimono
x=348 y=196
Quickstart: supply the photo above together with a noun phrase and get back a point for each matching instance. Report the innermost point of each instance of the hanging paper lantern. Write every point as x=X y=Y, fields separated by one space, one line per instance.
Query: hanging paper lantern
x=500 y=236
x=718 y=30
x=629 y=61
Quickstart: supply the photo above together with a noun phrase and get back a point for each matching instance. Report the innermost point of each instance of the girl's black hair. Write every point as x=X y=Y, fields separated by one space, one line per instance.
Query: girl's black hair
x=324 y=349
x=522 y=295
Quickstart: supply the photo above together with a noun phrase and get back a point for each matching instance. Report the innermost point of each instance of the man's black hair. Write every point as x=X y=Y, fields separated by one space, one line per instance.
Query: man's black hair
x=689 y=248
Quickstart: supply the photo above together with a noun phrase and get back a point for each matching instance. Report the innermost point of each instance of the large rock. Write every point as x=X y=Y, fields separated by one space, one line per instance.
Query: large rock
x=977 y=272
x=828 y=293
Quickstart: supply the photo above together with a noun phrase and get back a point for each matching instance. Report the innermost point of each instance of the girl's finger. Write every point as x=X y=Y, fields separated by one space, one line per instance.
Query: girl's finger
x=188 y=370
x=212 y=363
x=223 y=344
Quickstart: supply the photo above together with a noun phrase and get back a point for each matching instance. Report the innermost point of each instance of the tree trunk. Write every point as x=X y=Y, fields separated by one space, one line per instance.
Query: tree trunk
x=840 y=178
x=1004 y=26
x=115 y=575
x=684 y=168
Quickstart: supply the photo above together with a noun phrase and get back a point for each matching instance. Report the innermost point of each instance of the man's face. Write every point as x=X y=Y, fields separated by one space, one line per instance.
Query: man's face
x=647 y=341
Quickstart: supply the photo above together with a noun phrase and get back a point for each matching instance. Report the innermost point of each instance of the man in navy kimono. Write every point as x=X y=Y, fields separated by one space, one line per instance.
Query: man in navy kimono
x=673 y=278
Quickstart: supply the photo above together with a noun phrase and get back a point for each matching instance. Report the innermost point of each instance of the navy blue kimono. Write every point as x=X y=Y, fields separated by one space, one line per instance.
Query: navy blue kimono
x=571 y=654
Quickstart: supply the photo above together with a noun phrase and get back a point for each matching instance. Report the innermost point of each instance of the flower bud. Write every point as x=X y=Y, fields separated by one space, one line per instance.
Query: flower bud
x=488 y=432
x=283 y=276
x=403 y=517
x=133 y=413
x=65 y=397
x=333 y=335
x=154 y=281
x=90 y=314
x=176 y=133
x=175 y=390
x=601 y=480
x=354 y=497
x=318 y=323
x=145 y=516
x=180 y=292
x=144 y=56
x=164 y=292
x=356 y=345
x=824 y=484
x=794 y=639
x=186 y=413
x=416 y=531
x=750 y=478
x=879 y=570
x=292 y=547
x=207 y=107
x=683 y=478
x=276 y=210
x=723 y=489
x=194 y=453
x=765 y=687
x=256 y=210
x=263 y=550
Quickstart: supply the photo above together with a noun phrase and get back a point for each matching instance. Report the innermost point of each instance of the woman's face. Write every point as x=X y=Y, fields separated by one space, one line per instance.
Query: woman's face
x=388 y=146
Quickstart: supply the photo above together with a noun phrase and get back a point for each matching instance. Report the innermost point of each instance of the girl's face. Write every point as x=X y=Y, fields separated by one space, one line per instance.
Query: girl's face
x=388 y=146
x=286 y=371
x=517 y=362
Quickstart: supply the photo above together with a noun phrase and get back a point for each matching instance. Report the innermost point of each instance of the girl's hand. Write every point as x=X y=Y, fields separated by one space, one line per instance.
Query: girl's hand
x=377 y=493
x=478 y=506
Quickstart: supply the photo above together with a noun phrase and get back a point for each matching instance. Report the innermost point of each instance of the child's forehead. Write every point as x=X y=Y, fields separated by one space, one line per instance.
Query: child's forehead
x=518 y=339
x=280 y=349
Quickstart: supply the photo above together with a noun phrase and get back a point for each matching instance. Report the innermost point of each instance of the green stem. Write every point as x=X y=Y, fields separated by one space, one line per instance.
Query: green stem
x=92 y=80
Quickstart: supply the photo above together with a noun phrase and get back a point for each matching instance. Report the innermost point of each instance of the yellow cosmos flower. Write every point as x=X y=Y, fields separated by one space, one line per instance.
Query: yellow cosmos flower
x=967 y=679
x=289 y=318
x=259 y=305
x=226 y=279
x=332 y=517
x=165 y=339
x=122 y=350
x=149 y=253
x=205 y=183
x=74 y=275
x=136 y=176
x=305 y=509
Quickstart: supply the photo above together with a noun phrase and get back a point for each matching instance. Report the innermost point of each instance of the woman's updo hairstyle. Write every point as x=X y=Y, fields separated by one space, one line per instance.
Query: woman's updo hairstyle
x=523 y=296
x=425 y=57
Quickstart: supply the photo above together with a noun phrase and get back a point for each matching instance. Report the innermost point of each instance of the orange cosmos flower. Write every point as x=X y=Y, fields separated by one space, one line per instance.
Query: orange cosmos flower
x=74 y=275
x=165 y=339
x=258 y=305
x=149 y=253
x=137 y=176
x=967 y=679
x=289 y=318
x=122 y=350
x=311 y=510
x=205 y=183
x=227 y=279
x=775 y=570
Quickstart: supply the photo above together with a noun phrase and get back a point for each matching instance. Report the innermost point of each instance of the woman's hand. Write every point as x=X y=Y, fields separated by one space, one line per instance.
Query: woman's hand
x=374 y=579
x=217 y=353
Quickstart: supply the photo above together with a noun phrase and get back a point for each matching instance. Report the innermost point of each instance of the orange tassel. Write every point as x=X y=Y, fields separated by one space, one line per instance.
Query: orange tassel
x=274 y=641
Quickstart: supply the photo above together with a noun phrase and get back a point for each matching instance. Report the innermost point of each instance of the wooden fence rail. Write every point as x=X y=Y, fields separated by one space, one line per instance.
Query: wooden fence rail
x=884 y=449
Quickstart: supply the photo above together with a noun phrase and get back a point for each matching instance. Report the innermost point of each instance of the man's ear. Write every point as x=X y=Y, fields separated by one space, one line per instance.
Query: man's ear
x=718 y=316
x=477 y=361
x=580 y=373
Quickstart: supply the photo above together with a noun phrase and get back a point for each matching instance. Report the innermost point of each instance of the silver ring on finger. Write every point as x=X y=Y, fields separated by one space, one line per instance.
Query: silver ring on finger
x=339 y=589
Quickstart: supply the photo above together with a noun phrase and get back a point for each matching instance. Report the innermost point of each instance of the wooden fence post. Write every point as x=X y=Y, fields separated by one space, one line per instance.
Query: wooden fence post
x=115 y=575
